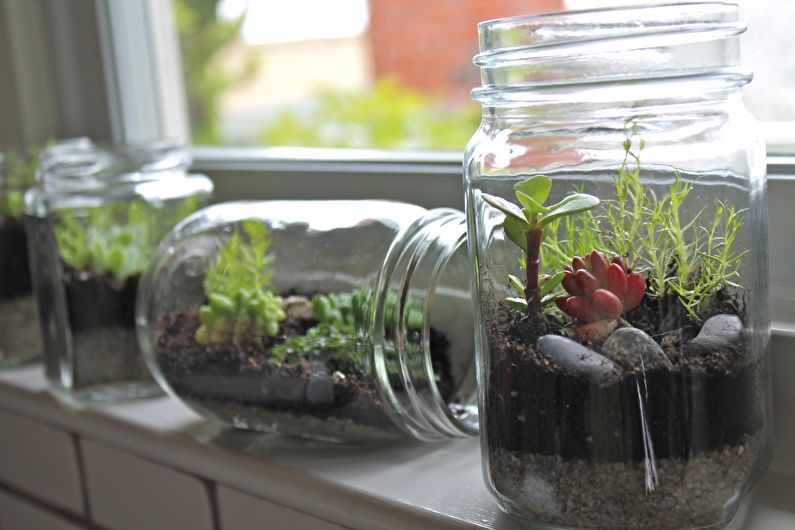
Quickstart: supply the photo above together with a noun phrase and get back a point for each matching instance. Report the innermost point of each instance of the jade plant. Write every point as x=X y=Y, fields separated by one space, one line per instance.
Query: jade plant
x=525 y=227
x=240 y=305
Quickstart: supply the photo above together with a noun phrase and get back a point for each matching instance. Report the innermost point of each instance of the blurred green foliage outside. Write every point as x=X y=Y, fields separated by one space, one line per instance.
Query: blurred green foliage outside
x=204 y=36
x=388 y=115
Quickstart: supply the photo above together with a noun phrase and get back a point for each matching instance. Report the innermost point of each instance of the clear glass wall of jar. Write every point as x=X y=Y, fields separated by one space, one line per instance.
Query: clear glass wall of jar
x=615 y=199
x=94 y=221
x=334 y=320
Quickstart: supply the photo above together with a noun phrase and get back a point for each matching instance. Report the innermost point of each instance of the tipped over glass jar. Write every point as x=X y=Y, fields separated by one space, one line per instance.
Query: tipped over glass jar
x=334 y=320
x=616 y=202
x=94 y=221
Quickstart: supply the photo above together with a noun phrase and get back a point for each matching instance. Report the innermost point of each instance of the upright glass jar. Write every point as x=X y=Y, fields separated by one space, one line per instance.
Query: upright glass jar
x=94 y=221
x=615 y=197
x=20 y=336
x=20 y=340
x=335 y=320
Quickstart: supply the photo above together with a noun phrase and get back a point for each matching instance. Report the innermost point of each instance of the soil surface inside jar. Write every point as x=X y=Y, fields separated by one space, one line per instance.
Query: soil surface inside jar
x=101 y=311
x=667 y=446
x=20 y=333
x=238 y=384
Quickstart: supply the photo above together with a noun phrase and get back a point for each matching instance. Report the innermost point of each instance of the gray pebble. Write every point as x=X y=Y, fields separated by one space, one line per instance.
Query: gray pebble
x=718 y=333
x=298 y=307
x=632 y=348
x=578 y=359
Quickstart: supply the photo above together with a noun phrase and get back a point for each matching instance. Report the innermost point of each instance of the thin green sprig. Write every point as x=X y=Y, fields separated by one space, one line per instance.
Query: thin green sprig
x=682 y=258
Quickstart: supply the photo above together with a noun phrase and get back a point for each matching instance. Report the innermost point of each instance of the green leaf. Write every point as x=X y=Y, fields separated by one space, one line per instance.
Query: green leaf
x=115 y=262
x=517 y=283
x=531 y=207
x=552 y=282
x=519 y=304
x=99 y=254
x=516 y=232
x=321 y=308
x=547 y=299
x=536 y=188
x=508 y=208
x=221 y=304
x=579 y=202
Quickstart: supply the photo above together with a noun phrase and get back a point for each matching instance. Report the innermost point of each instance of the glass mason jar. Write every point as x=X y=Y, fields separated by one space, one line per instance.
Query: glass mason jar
x=94 y=221
x=334 y=320
x=20 y=339
x=20 y=336
x=615 y=197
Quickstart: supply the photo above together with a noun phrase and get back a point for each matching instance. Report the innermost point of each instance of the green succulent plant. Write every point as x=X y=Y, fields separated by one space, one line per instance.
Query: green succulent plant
x=117 y=238
x=691 y=260
x=240 y=305
x=524 y=226
x=340 y=317
x=19 y=167
x=93 y=239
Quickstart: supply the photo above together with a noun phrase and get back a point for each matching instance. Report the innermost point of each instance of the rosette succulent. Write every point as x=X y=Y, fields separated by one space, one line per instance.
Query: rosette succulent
x=598 y=293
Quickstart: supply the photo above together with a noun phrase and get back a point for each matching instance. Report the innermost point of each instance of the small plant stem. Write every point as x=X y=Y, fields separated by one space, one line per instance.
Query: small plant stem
x=531 y=291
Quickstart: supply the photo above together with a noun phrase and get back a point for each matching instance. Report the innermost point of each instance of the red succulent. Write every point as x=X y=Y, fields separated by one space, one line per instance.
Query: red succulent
x=599 y=290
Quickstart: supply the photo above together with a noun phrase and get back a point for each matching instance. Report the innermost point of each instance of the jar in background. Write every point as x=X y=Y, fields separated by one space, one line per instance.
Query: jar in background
x=94 y=221
x=616 y=204
x=20 y=335
x=335 y=320
x=20 y=339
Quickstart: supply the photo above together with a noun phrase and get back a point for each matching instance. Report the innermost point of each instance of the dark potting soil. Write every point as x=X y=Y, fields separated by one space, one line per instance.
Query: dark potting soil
x=238 y=384
x=14 y=265
x=589 y=442
x=101 y=312
x=696 y=492
x=20 y=333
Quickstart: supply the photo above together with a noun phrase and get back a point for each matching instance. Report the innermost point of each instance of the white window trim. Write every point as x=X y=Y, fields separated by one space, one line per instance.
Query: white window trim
x=143 y=70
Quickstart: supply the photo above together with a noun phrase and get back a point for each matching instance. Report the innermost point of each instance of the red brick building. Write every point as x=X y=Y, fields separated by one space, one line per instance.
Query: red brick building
x=429 y=44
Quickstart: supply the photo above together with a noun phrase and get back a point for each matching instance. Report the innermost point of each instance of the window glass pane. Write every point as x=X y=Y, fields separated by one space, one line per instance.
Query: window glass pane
x=394 y=74
x=336 y=73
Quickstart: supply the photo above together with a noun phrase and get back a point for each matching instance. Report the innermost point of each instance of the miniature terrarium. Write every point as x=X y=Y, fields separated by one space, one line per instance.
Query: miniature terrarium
x=94 y=222
x=334 y=320
x=20 y=331
x=615 y=195
x=20 y=336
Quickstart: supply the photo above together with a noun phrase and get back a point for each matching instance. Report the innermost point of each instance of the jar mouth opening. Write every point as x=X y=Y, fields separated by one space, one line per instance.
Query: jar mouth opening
x=86 y=167
x=460 y=406
x=588 y=25
x=427 y=271
x=611 y=45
